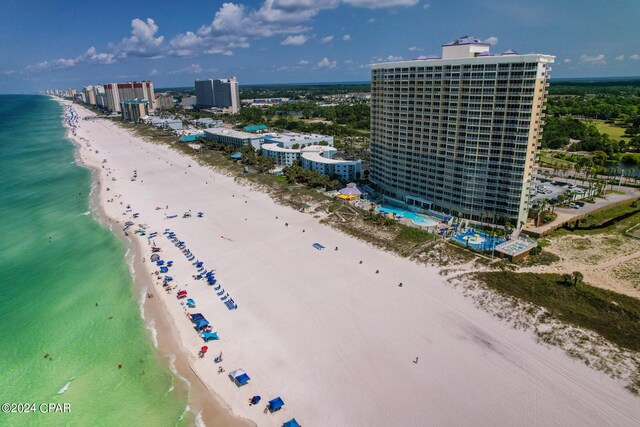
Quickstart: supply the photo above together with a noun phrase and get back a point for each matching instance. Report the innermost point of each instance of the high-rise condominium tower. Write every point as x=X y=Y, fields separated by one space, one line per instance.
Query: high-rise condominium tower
x=460 y=133
x=219 y=93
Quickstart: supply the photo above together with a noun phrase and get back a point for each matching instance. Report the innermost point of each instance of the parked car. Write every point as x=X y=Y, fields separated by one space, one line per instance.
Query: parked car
x=574 y=206
x=581 y=204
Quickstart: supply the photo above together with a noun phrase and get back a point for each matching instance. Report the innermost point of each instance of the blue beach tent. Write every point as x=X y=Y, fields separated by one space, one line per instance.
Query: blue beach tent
x=240 y=377
x=164 y=270
x=291 y=423
x=196 y=316
x=191 y=303
x=276 y=404
x=201 y=323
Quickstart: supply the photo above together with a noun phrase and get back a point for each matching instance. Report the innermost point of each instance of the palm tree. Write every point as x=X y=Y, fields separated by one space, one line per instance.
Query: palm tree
x=577 y=277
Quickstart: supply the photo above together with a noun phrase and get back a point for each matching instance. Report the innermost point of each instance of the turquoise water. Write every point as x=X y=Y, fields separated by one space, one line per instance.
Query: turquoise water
x=416 y=219
x=481 y=242
x=191 y=138
x=66 y=290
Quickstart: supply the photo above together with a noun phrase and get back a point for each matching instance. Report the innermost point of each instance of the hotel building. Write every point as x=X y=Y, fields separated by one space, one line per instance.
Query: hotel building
x=459 y=134
x=117 y=92
x=219 y=93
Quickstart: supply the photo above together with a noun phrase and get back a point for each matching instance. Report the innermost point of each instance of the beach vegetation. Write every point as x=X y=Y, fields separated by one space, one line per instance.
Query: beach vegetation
x=612 y=315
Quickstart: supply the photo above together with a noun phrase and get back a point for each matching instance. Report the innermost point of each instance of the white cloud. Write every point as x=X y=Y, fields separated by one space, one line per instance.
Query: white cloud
x=371 y=20
x=492 y=40
x=567 y=61
x=392 y=58
x=142 y=43
x=415 y=48
x=303 y=62
x=190 y=69
x=9 y=72
x=234 y=24
x=346 y=37
x=634 y=57
x=154 y=72
x=326 y=63
x=327 y=39
x=91 y=56
x=295 y=40
x=426 y=6
x=596 y=59
x=619 y=58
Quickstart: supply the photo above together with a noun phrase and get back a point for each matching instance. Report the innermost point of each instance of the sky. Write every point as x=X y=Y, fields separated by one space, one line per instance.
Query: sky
x=54 y=44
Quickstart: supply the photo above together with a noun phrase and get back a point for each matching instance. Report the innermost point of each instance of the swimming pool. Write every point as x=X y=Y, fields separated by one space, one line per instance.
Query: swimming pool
x=478 y=240
x=411 y=216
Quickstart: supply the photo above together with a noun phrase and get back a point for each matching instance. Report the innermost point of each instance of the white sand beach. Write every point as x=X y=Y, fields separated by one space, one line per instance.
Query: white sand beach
x=336 y=341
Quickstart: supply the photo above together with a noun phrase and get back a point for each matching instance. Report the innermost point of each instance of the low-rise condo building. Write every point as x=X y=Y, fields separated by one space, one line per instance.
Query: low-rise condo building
x=233 y=137
x=322 y=162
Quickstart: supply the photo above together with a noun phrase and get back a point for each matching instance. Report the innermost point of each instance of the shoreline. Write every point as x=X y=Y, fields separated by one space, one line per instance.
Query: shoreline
x=204 y=405
x=321 y=338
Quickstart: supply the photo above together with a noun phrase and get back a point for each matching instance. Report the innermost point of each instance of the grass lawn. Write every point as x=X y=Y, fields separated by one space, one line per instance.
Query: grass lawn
x=612 y=315
x=615 y=132
x=552 y=161
x=624 y=209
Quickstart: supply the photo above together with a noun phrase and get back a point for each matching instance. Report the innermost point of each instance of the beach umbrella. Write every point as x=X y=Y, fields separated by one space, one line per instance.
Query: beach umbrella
x=255 y=400
x=204 y=349
x=291 y=423
x=155 y=257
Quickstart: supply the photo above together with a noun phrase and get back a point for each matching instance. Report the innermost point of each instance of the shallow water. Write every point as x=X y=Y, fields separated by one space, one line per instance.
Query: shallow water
x=67 y=291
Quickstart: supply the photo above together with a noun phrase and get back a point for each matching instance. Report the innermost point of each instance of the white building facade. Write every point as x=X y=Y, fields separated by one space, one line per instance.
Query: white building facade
x=233 y=137
x=459 y=134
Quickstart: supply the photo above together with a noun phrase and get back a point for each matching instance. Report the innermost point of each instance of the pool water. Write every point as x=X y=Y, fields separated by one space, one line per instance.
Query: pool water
x=413 y=217
x=478 y=240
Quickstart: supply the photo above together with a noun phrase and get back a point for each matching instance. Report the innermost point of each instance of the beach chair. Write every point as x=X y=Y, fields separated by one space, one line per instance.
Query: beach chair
x=217 y=288
x=224 y=297
x=220 y=293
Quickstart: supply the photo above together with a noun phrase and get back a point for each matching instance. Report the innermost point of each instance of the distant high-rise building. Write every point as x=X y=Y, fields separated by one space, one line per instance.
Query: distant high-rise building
x=89 y=95
x=164 y=101
x=118 y=92
x=219 y=93
x=460 y=133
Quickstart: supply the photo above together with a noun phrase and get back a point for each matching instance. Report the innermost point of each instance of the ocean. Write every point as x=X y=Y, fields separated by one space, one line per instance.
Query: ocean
x=69 y=314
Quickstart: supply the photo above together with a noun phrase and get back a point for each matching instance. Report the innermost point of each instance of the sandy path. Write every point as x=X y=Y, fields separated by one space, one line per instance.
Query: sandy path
x=332 y=338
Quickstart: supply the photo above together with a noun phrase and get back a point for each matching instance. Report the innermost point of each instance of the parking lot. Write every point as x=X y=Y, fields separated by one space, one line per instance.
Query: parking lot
x=550 y=189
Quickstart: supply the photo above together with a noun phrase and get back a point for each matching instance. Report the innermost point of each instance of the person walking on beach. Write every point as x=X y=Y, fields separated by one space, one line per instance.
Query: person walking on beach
x=416 y=361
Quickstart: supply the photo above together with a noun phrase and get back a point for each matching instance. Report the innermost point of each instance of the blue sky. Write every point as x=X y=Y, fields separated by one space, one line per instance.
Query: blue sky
x=62 y=44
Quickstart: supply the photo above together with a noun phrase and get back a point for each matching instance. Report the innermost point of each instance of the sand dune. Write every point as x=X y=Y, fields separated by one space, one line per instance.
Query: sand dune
x=335 y=340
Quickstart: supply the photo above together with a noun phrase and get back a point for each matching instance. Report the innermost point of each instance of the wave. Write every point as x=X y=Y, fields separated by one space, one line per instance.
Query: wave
x=174 y=371
x=86 y=213
x=186 y=409
x=65 y=387
x=151 y=327
x=199 y=420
